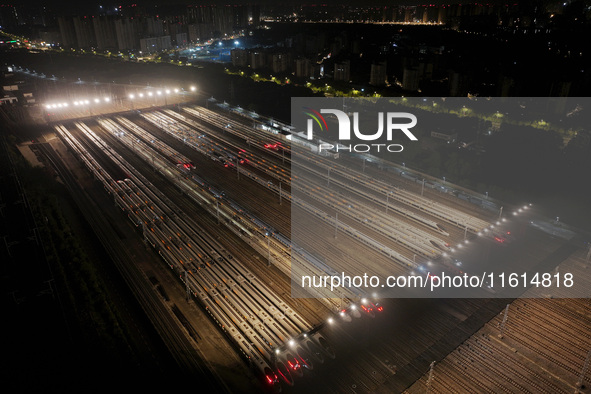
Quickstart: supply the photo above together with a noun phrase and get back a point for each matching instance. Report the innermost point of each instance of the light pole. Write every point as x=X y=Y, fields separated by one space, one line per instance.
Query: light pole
x=217 y=210
x=269 y=250
x=581 y=381
x=430 y=377
x=504 y=322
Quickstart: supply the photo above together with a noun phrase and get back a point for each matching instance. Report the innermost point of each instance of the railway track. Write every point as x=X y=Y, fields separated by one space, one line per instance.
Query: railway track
x=163 y=321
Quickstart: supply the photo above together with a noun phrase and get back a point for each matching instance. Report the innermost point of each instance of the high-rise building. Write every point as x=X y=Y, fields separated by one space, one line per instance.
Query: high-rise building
x=128 y=33
x=104 y=31
x=84 y=32
x=174 y=25
x=257 y=59
x=303 y=68
x=342 y=71
x=200 y=32
x=459 y=83
x=280 y=62
x=193 y=32
x=155 y=44
x=200 y=14
x=255 y=15
x=181 y=39
x=239 y=57
x=377 y=76
x=410 y=79
x=223 y=21
x=67 y=32
x=153 y=27
x=240 y=16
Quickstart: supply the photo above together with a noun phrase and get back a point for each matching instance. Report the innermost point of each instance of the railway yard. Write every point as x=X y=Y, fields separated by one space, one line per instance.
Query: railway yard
x=540 y=346
x=239 y=213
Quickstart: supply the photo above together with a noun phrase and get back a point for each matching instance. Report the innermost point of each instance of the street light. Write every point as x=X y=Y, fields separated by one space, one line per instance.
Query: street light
x=193 y=88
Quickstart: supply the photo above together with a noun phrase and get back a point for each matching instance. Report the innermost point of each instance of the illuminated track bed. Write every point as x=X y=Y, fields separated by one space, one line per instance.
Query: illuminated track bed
x=243 y=306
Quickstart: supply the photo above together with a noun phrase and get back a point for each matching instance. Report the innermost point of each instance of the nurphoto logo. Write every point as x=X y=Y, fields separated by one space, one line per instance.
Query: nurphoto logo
x=390 y=119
